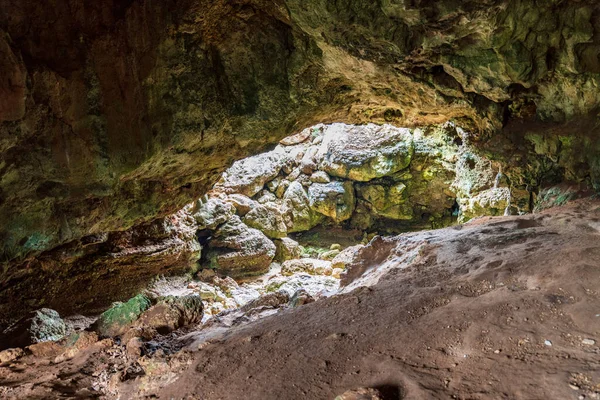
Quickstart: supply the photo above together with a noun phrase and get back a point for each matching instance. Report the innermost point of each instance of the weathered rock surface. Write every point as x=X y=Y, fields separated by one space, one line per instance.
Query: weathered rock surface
x=107 y=111
x=171 y=313
x=43 y=325
x=335 y=199
x=287 y=249
x=238 y=250
x=93 y=272
x=268 y=219
x=366 y=152
x=117 y=319
x=212 y=213
x=120 y=112
x=248 y=176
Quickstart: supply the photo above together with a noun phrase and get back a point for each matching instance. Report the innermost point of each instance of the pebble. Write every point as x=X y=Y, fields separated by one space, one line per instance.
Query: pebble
x=547 y=343
x=588 y=342
x=574 y=387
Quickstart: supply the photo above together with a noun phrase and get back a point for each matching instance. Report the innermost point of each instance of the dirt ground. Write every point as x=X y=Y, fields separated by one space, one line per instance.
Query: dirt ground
x=504 y=307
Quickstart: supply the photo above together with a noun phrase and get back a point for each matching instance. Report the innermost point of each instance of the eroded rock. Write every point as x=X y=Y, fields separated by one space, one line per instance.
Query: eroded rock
x=43 y=325
x=238 y=250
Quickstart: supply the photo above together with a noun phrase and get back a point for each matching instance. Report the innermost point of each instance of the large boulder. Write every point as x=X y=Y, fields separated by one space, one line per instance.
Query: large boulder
x=39 y=326
x=117 y=319
x=268 y=219
x=238 y=250
x=297 y=210
x=212 y=213
x=334 y=199
x=248 y=176
x=362 y=153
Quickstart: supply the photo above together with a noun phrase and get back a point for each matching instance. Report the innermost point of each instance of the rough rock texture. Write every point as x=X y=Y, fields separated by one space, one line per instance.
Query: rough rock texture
x=117 y=319
x=40 y=326
x=238 y=250
x=335 y=199
x=486 y=310
x=89 y=274
x=268 y=219
x=363 y=153
x=171 y=313
x=119 y=111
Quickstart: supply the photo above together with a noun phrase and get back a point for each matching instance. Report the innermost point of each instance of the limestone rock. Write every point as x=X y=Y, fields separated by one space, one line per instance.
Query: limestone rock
x=299 y=137
x=335 y=199
x=389 y=201
x=212 y=213
x=268 y=219
x=269 y=300
x=362 y=153
x=43 y=325
x=266 y=197
x=238 y=250
x=248 y=176
x=171 y=313
x=346 y=257
x=297 y=210
x=320 y=177
x=117 y=319
x=243 y=204
x=489 y=202
x=287 y=249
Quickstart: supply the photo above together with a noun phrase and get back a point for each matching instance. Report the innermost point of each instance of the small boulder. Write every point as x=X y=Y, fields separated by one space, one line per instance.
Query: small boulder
x=306 y=265
x=301 y=297
x=270 y=300
x=171 y=313
x=287 y=249
x=346 y=257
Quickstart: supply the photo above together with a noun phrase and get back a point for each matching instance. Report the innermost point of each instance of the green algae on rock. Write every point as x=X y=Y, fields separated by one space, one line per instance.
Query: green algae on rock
x=120 y=316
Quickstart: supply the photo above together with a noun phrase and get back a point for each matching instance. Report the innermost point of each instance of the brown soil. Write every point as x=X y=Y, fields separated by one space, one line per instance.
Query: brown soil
x=502 y=307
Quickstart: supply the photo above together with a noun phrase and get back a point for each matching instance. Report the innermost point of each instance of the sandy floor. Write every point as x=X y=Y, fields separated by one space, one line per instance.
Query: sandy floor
x=505 y=307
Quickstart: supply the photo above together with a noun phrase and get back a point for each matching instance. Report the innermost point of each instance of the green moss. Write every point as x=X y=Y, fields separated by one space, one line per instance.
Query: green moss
x=120 y=315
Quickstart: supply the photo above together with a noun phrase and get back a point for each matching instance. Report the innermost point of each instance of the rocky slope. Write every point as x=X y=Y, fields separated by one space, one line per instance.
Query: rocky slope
x=117 y=112
x=498 y=307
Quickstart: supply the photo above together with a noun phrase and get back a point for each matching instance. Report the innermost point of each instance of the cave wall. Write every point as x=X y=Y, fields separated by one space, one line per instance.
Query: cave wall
x=114 y=113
